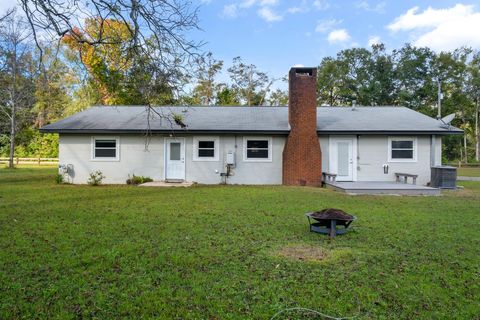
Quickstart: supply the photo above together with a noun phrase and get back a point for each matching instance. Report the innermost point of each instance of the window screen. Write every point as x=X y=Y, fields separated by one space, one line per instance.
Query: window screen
x=206 y=148
x=402 y=149
x=105 y=148
x=257 y=149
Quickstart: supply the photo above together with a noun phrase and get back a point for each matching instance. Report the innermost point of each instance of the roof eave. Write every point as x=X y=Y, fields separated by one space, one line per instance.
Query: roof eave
x=391 y=132
x=163 y=131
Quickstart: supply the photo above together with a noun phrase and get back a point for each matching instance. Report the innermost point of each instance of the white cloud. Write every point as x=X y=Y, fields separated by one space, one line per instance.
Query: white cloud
x=321 y=4
x=326 y=25
x=269 y=15
x=230 y=10
x=441 y=29
x=372 y=40
x=299 y=7
x=338 y=36
x=247 y=3
x=265 y=9
x=293 y=10
x=268 y=2
x=365 y=5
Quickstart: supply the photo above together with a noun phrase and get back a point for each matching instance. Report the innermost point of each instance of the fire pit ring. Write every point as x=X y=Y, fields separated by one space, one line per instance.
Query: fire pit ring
x=328 y=220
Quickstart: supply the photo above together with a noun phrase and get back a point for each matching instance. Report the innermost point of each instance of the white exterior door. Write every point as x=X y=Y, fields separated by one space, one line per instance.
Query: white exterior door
x=343 y=158
x=175 y=159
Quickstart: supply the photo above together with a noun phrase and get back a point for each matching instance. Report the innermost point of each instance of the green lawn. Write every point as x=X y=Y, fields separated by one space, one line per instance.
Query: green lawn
x=216 y=252
x=469 y=172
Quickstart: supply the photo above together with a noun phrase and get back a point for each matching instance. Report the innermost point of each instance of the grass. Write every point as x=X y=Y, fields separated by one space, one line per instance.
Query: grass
x=469 y=172
x=216 y=252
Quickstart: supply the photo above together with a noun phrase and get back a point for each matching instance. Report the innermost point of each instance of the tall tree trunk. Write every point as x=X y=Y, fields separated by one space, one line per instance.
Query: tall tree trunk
x=464 y=121
x=461 y=152
x=12 y=138
x=13 y=98
x=477 y=133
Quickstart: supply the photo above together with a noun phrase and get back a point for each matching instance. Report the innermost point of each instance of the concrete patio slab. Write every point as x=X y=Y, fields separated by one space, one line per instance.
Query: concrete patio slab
x=166 y=184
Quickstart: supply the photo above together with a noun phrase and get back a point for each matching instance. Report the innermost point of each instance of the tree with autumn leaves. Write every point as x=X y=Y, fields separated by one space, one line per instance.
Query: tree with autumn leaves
x=118 y=75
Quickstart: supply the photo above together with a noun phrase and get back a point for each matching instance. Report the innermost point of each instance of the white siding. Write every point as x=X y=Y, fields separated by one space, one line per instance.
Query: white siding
x=324 y=145
x=373 y=154
x=134 y=159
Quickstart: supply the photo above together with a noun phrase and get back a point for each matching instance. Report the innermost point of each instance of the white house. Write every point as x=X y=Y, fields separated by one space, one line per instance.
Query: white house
x=252 y=145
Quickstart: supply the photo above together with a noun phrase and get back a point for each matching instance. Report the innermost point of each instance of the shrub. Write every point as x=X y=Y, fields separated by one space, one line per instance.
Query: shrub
x=96 y=178
x=59 y=178
x=138 y=179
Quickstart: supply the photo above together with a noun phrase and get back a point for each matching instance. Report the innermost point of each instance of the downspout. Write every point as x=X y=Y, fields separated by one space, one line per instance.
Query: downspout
x=433 y=146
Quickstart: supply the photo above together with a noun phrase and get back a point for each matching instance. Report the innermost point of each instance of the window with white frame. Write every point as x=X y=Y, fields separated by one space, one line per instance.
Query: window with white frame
x=402 y=149
x=105 y=148
x=257 y=149
x=205 y=148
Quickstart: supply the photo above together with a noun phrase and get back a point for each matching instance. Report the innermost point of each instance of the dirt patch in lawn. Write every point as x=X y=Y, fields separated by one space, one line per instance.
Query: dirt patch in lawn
x=304 y=253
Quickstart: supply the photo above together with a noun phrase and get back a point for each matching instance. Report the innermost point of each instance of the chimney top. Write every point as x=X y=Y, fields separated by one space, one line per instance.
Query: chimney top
x=303 y=71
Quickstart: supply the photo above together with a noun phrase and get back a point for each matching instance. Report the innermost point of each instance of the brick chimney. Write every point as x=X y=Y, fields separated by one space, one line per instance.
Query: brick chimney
x=302 y=156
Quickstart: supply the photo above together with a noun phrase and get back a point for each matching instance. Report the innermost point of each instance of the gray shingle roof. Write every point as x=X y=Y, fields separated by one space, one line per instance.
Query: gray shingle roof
x=274 y=120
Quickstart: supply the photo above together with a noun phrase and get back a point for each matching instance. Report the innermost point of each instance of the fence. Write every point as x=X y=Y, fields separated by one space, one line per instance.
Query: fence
x=33 y=161
x=464 y=165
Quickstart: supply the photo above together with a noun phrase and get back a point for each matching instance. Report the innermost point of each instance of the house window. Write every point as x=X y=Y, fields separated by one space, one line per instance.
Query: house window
x=257 y=149
x=205 y=148
x=105 y=148
x=402 y=149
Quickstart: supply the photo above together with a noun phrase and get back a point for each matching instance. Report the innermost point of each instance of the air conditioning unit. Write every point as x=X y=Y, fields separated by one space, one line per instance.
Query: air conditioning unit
x=444 y=177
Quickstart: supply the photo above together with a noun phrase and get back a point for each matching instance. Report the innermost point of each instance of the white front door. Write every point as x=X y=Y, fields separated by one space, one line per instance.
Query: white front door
x=343 y=157
x=175 y=159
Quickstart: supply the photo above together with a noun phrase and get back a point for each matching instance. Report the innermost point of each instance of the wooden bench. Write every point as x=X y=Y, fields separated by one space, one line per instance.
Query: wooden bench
x=329 y=177
x=404 y=176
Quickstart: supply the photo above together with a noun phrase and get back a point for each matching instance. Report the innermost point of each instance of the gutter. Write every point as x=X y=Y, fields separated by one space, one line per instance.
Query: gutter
x=270 y=132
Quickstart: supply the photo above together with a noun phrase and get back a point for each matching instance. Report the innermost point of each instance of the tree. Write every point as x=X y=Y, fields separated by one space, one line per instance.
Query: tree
x=16 y=76
x=414 y=78
x=151 y=41
x=250 y=83
x=330 y=81
x=226 y=96
x=278 y=98
x=451 y=68
x=207 y=70
x=356 y=75
x=119 y=77
x=53 y=86
x=381 y=88
x=474 y=93
x=355 y=65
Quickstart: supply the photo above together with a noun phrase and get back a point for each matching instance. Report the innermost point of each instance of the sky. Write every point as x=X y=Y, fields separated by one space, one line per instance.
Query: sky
x=278 y=34
x=275 y=35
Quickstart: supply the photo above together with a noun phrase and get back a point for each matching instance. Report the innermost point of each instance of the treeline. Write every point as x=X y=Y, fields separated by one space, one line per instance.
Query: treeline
x=410 y=77
x=42 y=85
x=41 y=82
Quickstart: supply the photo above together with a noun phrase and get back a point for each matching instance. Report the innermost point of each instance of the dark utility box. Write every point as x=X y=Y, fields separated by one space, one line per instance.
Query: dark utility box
x=444 y=177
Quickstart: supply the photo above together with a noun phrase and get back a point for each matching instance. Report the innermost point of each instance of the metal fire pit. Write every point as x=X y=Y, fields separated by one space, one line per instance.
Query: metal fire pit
x=329 y=225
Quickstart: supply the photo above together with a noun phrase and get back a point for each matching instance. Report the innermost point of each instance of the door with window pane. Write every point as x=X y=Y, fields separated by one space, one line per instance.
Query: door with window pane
x=175 y=159
x=342 y=158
